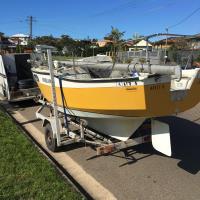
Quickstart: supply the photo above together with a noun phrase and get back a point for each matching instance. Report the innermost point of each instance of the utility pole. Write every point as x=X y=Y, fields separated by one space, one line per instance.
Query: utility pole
x=30 y=20
x=31 y=27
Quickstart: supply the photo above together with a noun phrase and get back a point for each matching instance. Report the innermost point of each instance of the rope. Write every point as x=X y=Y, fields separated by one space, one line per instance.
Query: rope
x=63 y=104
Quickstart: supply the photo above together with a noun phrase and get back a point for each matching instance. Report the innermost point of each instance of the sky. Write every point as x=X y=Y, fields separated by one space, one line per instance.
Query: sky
x=81 y=19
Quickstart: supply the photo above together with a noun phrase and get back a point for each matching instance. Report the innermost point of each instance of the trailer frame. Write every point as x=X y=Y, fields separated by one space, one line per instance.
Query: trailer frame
x=79 y=132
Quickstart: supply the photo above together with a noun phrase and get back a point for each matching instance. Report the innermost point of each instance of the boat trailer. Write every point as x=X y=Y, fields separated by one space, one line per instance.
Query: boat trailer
x=78 y=132
x=62 y=129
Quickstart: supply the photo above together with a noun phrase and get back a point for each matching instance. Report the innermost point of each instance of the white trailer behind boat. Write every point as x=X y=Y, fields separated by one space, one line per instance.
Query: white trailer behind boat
x=16 y=80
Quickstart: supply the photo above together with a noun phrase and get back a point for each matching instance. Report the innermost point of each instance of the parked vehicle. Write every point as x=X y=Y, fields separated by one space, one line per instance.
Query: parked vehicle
x=16 y=79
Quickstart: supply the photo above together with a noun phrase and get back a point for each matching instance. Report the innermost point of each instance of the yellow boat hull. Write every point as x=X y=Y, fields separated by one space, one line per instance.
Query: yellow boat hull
x=150 y=100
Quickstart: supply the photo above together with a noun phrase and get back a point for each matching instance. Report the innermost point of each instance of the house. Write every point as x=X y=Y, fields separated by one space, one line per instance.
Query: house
x=133 y=45
x=165 y=44
x=6 y=44
x=195 y=42
x=103 y=43
x=192 y=42
x=20 y=39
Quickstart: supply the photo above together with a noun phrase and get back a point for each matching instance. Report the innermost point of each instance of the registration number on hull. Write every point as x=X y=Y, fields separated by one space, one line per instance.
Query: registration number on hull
x=124 y=84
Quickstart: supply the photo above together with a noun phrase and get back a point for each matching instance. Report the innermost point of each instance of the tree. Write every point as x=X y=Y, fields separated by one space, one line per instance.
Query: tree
x=48 y=40
x=115 y=36
x=1 y=34
x=31 y=44
x=65 y=41
x=174 y=52
x=181 y=44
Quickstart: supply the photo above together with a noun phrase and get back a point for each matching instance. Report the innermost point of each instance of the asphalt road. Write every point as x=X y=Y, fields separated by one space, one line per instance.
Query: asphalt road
x=143 y=173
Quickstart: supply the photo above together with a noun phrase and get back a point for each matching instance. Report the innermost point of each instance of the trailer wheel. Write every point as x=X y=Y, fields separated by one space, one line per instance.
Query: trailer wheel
x=50 y=141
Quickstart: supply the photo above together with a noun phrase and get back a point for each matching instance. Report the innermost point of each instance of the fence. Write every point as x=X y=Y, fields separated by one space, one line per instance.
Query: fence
x=136 y=56
x=157 y=57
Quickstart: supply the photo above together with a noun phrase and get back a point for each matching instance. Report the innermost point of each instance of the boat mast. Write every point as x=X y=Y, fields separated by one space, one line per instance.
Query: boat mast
x=165 y=59
x=147 y=52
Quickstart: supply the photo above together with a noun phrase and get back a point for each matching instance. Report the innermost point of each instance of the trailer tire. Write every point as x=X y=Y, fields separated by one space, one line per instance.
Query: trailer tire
x=51 y=142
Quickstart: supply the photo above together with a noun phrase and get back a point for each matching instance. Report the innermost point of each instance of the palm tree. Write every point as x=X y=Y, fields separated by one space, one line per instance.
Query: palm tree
x=115 y=36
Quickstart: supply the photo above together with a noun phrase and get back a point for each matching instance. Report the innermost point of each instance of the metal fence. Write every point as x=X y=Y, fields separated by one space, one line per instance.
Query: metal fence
x=157 y=57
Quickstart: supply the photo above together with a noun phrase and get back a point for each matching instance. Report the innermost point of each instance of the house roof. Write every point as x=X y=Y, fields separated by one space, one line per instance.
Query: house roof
x=171 y=40
x=103 y=43
x=137 y=43
x=142 y=43
x=20 y=35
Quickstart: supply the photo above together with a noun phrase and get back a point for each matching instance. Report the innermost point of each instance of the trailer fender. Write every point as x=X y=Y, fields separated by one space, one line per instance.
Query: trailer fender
x=52 y=124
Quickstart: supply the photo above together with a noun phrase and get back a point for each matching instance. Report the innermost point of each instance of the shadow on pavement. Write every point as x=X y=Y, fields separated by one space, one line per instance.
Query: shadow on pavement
x=22 y=105
x=13 y=107
x=185 y=141
x=30 y=121
x=71 y=147
x=129 y=154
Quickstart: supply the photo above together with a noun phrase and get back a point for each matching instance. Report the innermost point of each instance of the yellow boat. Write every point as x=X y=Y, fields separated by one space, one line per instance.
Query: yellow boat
x=116 y=105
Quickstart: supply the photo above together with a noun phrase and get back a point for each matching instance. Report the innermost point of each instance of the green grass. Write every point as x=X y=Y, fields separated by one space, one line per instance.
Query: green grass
x=24 y=172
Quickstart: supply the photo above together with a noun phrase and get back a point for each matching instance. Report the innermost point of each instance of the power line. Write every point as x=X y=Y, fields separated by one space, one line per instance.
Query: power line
x=116 y=8
x=10 y=22
x=185 y=18
x=134 y=4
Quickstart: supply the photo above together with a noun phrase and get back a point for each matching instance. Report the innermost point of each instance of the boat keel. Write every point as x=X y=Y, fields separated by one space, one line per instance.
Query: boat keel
x=160 y=136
